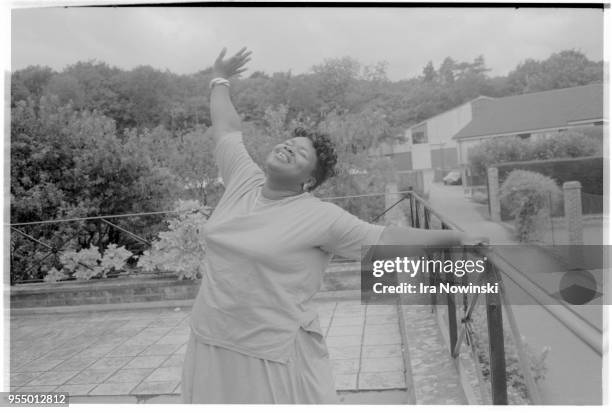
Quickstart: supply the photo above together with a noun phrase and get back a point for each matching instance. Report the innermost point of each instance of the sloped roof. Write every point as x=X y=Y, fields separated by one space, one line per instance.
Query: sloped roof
x=535 y=111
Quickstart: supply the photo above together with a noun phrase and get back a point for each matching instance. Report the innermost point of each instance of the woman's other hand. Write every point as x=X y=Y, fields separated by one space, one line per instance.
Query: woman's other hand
x=231 y=66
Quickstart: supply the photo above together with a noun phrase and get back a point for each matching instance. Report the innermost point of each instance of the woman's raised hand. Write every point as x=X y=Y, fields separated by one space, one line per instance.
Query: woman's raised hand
x=231 y=66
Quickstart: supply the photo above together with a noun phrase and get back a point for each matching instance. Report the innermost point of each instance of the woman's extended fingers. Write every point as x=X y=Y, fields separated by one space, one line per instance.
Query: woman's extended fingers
x=237 y=66
x=239 y=63
x=239 y=60
x=241 y=54
x=222 y=54
x=232 y=65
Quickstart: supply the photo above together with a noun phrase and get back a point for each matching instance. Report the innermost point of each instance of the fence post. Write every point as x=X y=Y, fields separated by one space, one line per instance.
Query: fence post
x=493 y=181
x=572 y=200
x=464 y=184
x=497 y=353
x=451 y=307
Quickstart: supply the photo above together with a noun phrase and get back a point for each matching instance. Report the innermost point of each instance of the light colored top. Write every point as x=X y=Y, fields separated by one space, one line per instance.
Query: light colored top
x=265 y=260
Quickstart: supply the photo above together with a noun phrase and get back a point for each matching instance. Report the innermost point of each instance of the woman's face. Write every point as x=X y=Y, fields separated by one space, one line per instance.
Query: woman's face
x=292 y=161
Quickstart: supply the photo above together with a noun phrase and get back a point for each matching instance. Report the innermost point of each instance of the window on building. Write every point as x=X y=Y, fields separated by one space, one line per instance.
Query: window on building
x=419 y=134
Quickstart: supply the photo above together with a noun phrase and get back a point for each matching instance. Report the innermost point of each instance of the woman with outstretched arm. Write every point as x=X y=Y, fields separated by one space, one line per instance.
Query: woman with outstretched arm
x=255 y=335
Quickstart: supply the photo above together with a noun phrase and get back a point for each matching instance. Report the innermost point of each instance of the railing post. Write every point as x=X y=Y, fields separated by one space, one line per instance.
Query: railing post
x=497 y=356
x=12 y=262
x=452 y=309
x=573 y=211
x=412 y=204
x=493 y=181
x=432 y=276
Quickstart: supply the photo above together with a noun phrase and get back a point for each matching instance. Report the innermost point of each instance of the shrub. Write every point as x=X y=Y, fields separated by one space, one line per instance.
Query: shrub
x=494 y=151
x=115 y=258
x=89 y=263
x=54 y=275
x=567 y=144
x=182 y=248
x=83 y=264
x=527 y=196
x=588 y=171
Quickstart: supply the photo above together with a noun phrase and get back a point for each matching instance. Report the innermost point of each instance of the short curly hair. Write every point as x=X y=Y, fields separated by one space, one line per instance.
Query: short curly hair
x=326 y=155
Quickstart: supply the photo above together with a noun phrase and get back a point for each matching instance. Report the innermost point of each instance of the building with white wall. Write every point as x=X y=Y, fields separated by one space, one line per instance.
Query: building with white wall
x=442 y=143
x=532 y=116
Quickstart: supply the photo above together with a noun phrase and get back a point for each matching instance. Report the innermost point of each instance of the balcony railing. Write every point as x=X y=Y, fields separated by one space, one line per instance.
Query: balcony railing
x=422 y=215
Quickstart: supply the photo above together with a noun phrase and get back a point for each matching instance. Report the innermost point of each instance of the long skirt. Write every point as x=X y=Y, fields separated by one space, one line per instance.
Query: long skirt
x=213 y=374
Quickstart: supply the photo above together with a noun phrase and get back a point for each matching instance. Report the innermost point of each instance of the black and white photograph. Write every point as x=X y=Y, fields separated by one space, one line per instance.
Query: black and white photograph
x=303 y=203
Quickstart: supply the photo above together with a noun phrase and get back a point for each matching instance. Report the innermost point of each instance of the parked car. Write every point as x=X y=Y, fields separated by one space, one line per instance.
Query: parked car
x=452 y=178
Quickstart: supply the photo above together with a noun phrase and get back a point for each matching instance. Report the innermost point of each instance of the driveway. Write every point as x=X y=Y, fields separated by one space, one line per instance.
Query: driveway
x=470 y=216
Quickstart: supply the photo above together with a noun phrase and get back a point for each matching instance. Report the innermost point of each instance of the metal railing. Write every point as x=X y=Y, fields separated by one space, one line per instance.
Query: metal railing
x=422 y=215
x=52 y=249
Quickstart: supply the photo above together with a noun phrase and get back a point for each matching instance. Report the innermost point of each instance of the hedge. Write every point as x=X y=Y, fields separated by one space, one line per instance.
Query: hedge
x=586 y=170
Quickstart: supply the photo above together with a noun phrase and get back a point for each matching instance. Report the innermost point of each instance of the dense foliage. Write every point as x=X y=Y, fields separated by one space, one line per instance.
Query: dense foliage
x=567 y=144
x=181 y=248
x=89 y=263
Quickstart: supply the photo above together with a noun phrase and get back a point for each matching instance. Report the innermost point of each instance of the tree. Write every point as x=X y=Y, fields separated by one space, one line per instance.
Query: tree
x=429 y=73
x=195 y=168
x=334 y=79
x=567 y=68
x=29 y=83
x=67 y=163
x=446 y=71
x=376 y=73
x=353 y=135
x=303 y=99
x=143 y=96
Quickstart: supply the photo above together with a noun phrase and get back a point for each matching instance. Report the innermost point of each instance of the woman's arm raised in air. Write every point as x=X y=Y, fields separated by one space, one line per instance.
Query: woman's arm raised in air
x=224 y=117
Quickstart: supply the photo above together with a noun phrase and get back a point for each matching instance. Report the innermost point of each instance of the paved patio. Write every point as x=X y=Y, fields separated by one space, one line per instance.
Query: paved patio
x=140 y=352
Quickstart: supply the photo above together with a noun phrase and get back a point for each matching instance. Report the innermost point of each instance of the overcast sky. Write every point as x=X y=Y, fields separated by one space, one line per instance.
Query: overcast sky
x=185 y=40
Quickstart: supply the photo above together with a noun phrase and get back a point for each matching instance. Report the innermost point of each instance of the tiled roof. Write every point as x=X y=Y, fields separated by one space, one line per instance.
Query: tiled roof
x=535 y=111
